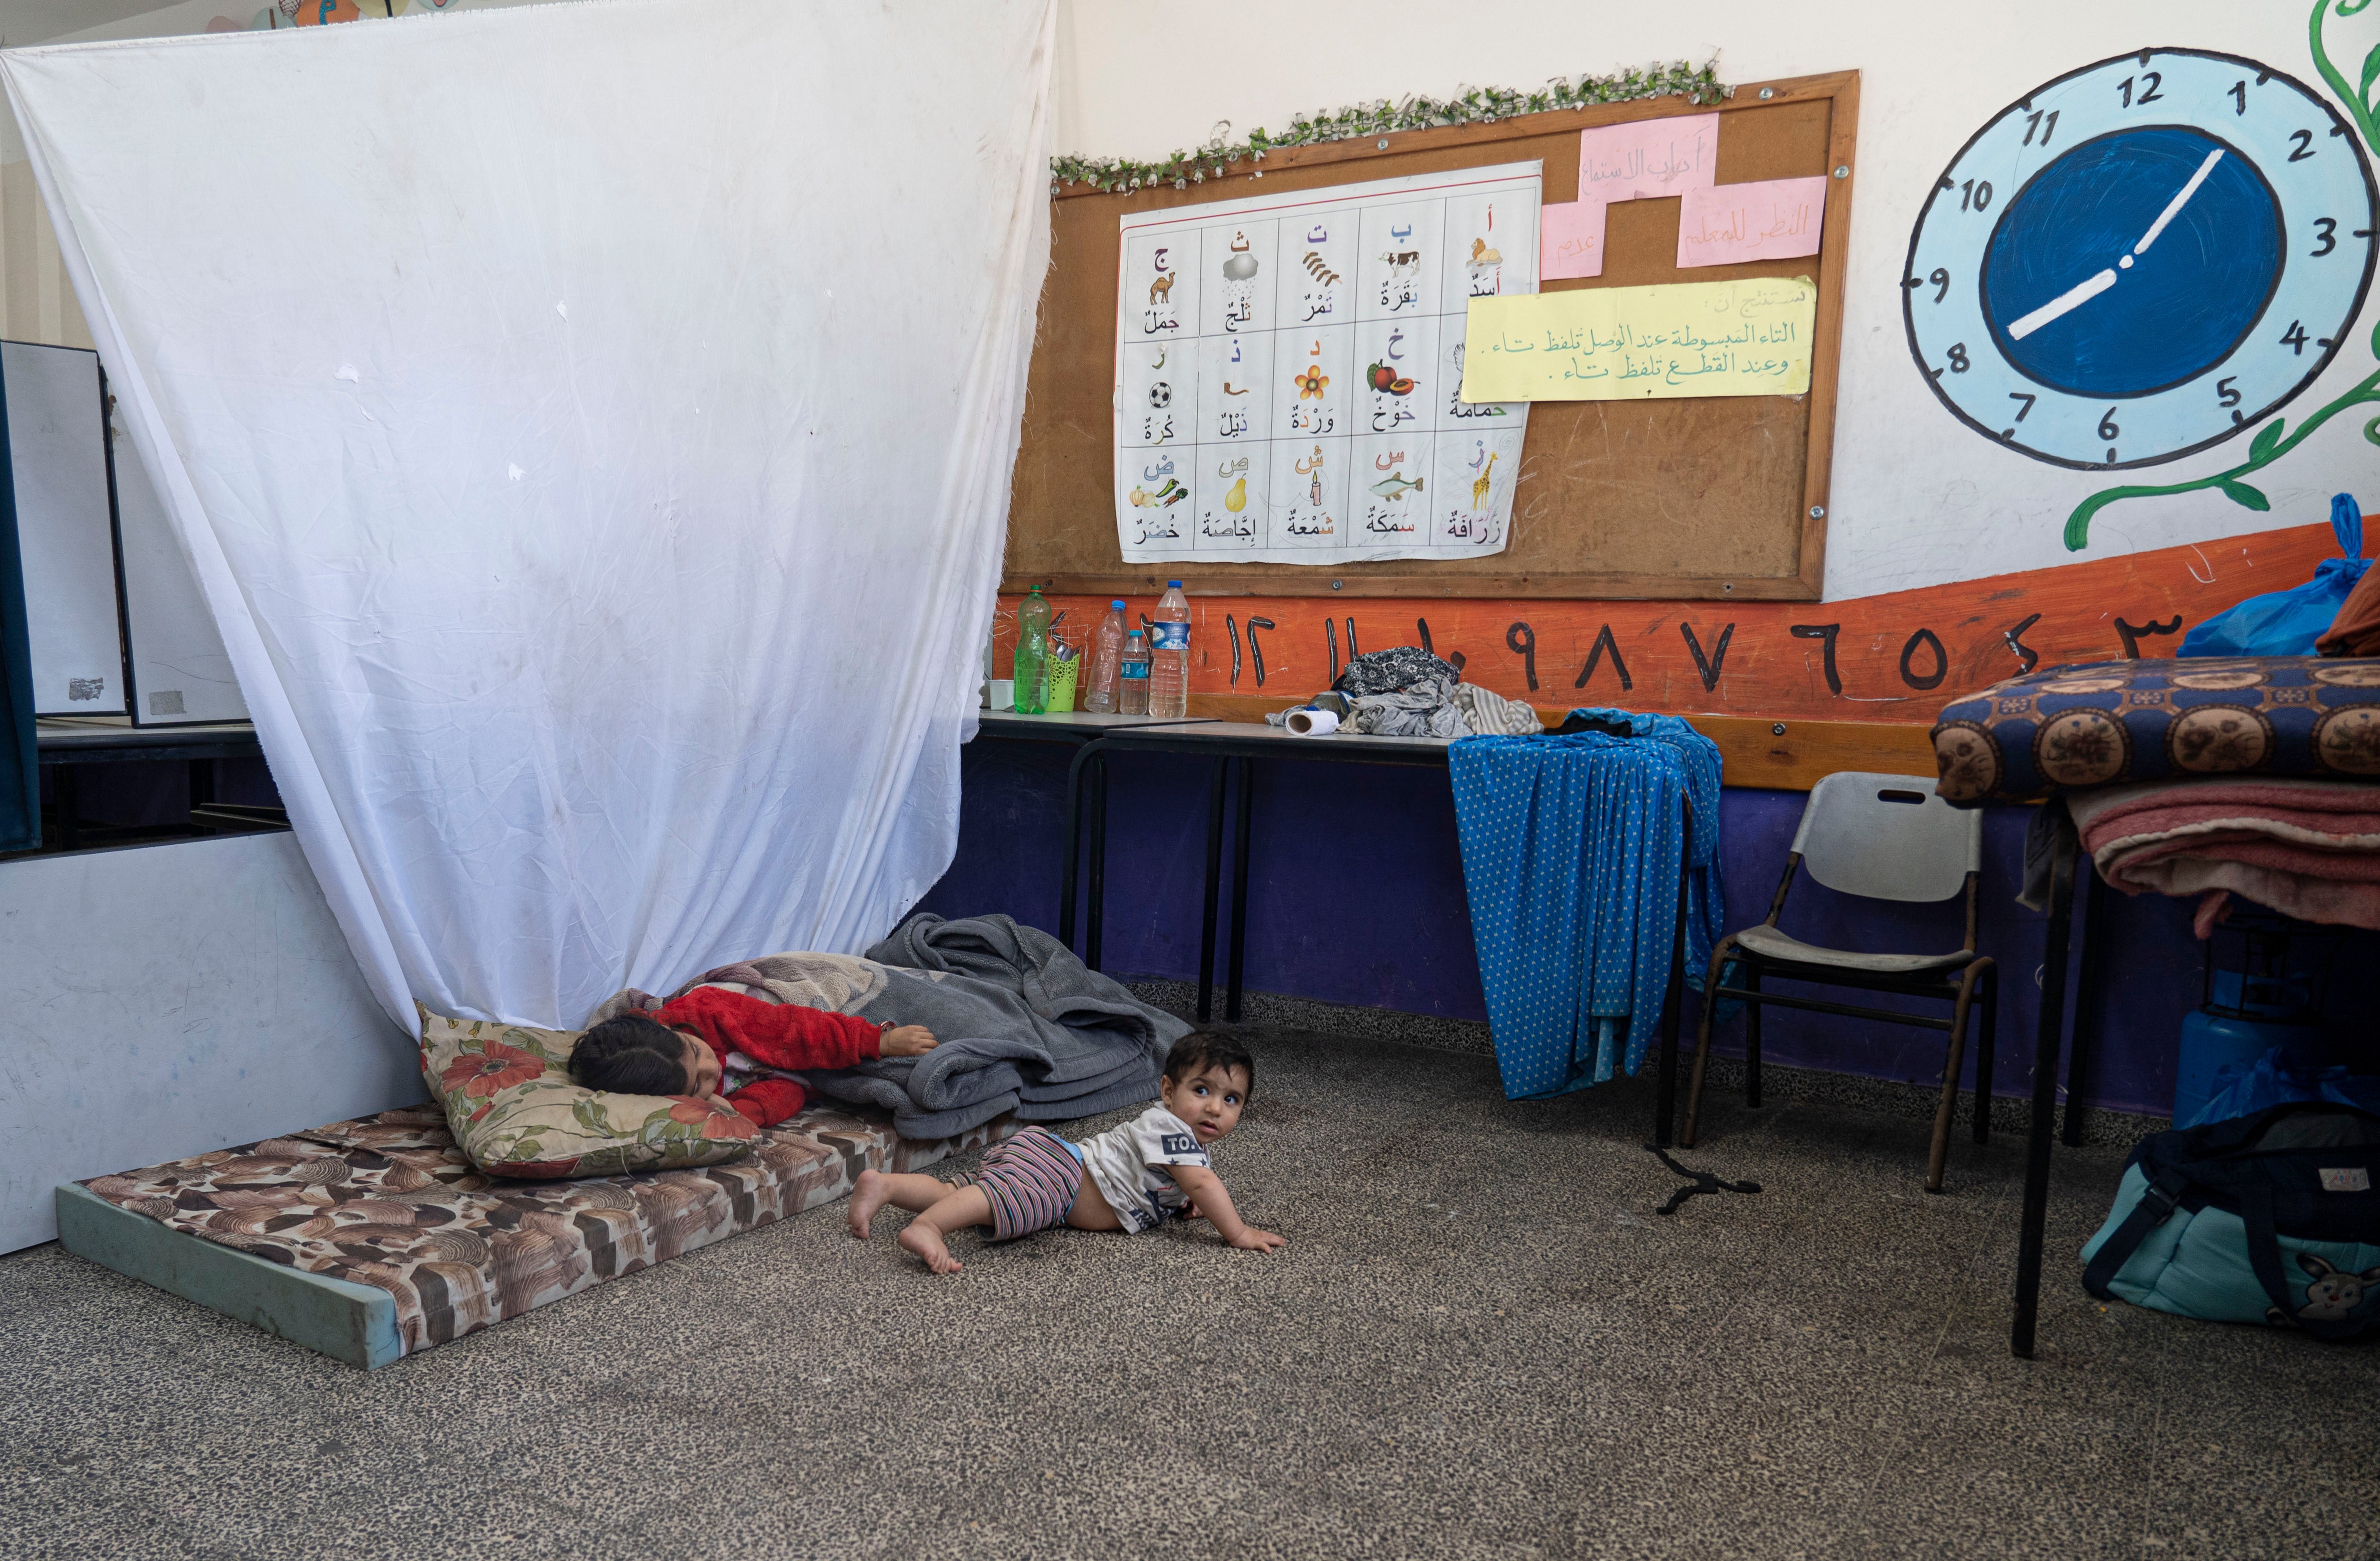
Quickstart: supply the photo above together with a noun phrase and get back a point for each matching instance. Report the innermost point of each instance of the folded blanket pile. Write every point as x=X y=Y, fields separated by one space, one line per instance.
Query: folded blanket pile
x=2309 y=849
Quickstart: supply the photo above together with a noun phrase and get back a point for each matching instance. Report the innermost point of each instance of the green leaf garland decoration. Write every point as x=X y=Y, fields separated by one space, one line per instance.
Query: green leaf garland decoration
x=1477 y=105
x=2270 y=445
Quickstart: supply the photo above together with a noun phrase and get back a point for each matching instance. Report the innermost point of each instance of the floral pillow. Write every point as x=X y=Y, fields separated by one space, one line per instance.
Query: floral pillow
x=512 y=1106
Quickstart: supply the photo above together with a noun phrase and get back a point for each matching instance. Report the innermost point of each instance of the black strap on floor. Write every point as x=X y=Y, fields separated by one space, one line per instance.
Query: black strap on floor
x=1702 y=1181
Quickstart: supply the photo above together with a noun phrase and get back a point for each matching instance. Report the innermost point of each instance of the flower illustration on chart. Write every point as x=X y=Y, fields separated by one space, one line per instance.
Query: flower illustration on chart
x=1310 y=384
x=498 y=1069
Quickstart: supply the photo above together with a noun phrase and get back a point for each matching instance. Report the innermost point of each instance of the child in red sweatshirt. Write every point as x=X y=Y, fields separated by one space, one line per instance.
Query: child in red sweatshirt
x=712 y=1040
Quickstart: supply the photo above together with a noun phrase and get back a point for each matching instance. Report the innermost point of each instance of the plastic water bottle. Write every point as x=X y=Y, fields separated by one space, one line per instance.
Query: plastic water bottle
x=1132 y=684
x=1032 y=670
x=1106 y=649
x=1169 y=655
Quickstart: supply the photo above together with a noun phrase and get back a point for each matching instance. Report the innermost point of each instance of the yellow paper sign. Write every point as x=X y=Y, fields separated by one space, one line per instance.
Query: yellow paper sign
x=1621 y=344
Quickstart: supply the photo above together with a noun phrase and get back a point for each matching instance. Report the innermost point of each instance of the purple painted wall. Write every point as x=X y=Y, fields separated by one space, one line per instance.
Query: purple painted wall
x=1355 y=895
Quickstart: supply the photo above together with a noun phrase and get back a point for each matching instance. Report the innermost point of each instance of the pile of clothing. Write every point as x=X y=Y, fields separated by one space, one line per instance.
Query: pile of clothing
x=1407 y=692
x=1572 y=841
x=2307 y=848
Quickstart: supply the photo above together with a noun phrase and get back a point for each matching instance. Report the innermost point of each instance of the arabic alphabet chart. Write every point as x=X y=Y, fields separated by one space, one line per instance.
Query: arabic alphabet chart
x=1569 y=239
x=1290 y=370
x=1768 y=219
x=1626 y=344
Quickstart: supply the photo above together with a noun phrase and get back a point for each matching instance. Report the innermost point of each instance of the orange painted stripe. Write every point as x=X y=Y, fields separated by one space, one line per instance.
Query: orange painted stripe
x=1896 y=657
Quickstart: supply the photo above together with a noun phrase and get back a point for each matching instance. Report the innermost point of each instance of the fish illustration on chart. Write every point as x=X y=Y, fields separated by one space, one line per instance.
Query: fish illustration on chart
x=1395 y=486
x=1240 y=269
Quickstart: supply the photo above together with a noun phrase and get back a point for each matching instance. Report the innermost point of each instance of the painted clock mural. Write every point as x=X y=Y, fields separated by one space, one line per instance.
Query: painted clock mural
x=2140 y=258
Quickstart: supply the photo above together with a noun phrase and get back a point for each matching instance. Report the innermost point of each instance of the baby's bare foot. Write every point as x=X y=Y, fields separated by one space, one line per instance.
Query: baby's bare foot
x=868 y=1196
x=927 y=1242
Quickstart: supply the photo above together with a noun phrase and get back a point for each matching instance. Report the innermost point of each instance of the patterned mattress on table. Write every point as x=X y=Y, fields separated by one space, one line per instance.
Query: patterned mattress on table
x=390 y=1202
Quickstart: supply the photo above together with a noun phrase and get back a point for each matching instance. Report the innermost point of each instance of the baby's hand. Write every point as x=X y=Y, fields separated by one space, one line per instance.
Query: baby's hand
x=906 y=1040
x=1251 y=1239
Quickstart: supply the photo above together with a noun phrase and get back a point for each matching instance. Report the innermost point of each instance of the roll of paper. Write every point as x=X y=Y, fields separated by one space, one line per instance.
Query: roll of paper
x=1311 y=724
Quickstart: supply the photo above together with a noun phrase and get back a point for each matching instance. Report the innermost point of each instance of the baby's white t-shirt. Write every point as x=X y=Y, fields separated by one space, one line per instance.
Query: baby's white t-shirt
x=1124 y=1161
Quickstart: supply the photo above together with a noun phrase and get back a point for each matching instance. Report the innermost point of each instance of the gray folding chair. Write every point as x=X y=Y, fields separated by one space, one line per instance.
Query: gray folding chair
x=1880 y=837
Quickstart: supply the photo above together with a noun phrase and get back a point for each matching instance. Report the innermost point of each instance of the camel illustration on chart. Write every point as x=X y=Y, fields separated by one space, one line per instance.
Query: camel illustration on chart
x=1162 y=290
x=1479 y=483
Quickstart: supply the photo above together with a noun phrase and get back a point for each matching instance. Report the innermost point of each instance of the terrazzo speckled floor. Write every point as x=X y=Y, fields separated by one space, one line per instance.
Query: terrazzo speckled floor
x=1481 y=1342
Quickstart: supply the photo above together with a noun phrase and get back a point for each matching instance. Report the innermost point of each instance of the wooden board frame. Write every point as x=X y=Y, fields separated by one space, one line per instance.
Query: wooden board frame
x=1029 y=562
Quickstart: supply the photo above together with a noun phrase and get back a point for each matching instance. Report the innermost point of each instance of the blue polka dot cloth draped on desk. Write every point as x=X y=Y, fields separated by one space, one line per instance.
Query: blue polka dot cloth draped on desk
x=1570 y=855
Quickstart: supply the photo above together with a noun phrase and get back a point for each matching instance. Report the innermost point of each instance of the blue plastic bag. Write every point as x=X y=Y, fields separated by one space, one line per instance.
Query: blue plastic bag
x=2243 y=1089
x=2288 y=623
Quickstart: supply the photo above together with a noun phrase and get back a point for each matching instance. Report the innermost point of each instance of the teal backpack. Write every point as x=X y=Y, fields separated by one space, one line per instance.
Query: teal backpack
x=2269 y=1218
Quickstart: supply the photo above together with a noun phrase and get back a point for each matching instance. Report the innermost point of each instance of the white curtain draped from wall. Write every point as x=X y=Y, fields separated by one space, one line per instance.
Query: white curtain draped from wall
x=591 y=426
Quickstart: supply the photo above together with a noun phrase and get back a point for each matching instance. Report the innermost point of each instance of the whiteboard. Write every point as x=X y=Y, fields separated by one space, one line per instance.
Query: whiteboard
x=180 y=672
x=1289 y=371
x=57 y=471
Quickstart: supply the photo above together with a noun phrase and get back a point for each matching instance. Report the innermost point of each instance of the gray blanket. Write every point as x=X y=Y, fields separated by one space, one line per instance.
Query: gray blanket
x=1024 y=1026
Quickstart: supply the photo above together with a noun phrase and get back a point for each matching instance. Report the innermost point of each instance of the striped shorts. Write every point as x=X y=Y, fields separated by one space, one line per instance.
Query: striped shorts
x=1030 y=1180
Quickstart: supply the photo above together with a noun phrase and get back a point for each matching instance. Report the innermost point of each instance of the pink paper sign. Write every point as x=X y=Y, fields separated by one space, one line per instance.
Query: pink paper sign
x=1647 y=158
x=1773 y=220
x=1569 y=239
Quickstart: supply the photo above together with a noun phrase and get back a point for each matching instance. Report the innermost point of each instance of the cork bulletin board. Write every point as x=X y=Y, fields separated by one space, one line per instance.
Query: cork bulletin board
x=1721 y=498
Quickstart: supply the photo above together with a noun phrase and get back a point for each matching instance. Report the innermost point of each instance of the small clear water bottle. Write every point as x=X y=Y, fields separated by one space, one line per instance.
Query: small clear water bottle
x=1107 y=651
x=1132 y=683
x=1032 y=671
x=1169 y=655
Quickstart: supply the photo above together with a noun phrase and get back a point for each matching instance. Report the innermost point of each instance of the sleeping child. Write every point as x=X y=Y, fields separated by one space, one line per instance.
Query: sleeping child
x=712 y=1040
x=1131 y=1178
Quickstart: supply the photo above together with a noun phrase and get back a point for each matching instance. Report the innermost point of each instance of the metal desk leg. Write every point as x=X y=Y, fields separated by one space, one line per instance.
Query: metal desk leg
x=1214 y=889
x=2035 y=1212
x=1665 y=1098
x=1095 y=913
x=1240 y=890
x=2097 y=902
x=66 y=797
x=1089 y=754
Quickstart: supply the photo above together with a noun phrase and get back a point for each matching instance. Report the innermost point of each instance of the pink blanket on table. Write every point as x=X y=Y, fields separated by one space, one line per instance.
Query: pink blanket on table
x=2310 y=849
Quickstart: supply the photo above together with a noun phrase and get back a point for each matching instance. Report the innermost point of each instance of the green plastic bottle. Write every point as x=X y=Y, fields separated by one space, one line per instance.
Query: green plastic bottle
x=1032 y=670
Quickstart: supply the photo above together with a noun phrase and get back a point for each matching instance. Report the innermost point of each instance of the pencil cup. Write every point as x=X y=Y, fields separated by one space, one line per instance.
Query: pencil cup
x=1063 y=675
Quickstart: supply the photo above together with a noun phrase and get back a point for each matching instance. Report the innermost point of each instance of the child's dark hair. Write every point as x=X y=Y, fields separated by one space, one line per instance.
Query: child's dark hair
x=633 y=1054
x=1201 y=1050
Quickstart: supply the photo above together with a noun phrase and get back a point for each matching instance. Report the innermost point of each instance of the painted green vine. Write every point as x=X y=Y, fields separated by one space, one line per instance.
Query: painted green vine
x=1479 y=105
x=2271 y=443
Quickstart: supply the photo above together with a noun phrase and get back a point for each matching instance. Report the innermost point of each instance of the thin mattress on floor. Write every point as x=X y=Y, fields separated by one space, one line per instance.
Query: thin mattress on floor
x=390 y=1202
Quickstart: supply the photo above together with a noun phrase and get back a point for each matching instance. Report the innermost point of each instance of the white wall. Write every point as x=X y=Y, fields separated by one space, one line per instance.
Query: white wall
x=166 y=1000
x=1917 y=497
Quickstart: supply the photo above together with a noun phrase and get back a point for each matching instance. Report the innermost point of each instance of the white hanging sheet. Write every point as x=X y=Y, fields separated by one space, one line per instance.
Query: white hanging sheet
x=591 y=427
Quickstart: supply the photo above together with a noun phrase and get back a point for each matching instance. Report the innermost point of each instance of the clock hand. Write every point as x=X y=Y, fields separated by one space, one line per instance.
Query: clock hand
x=2074 y=297
x=2173 y=208
x=2084 y=292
